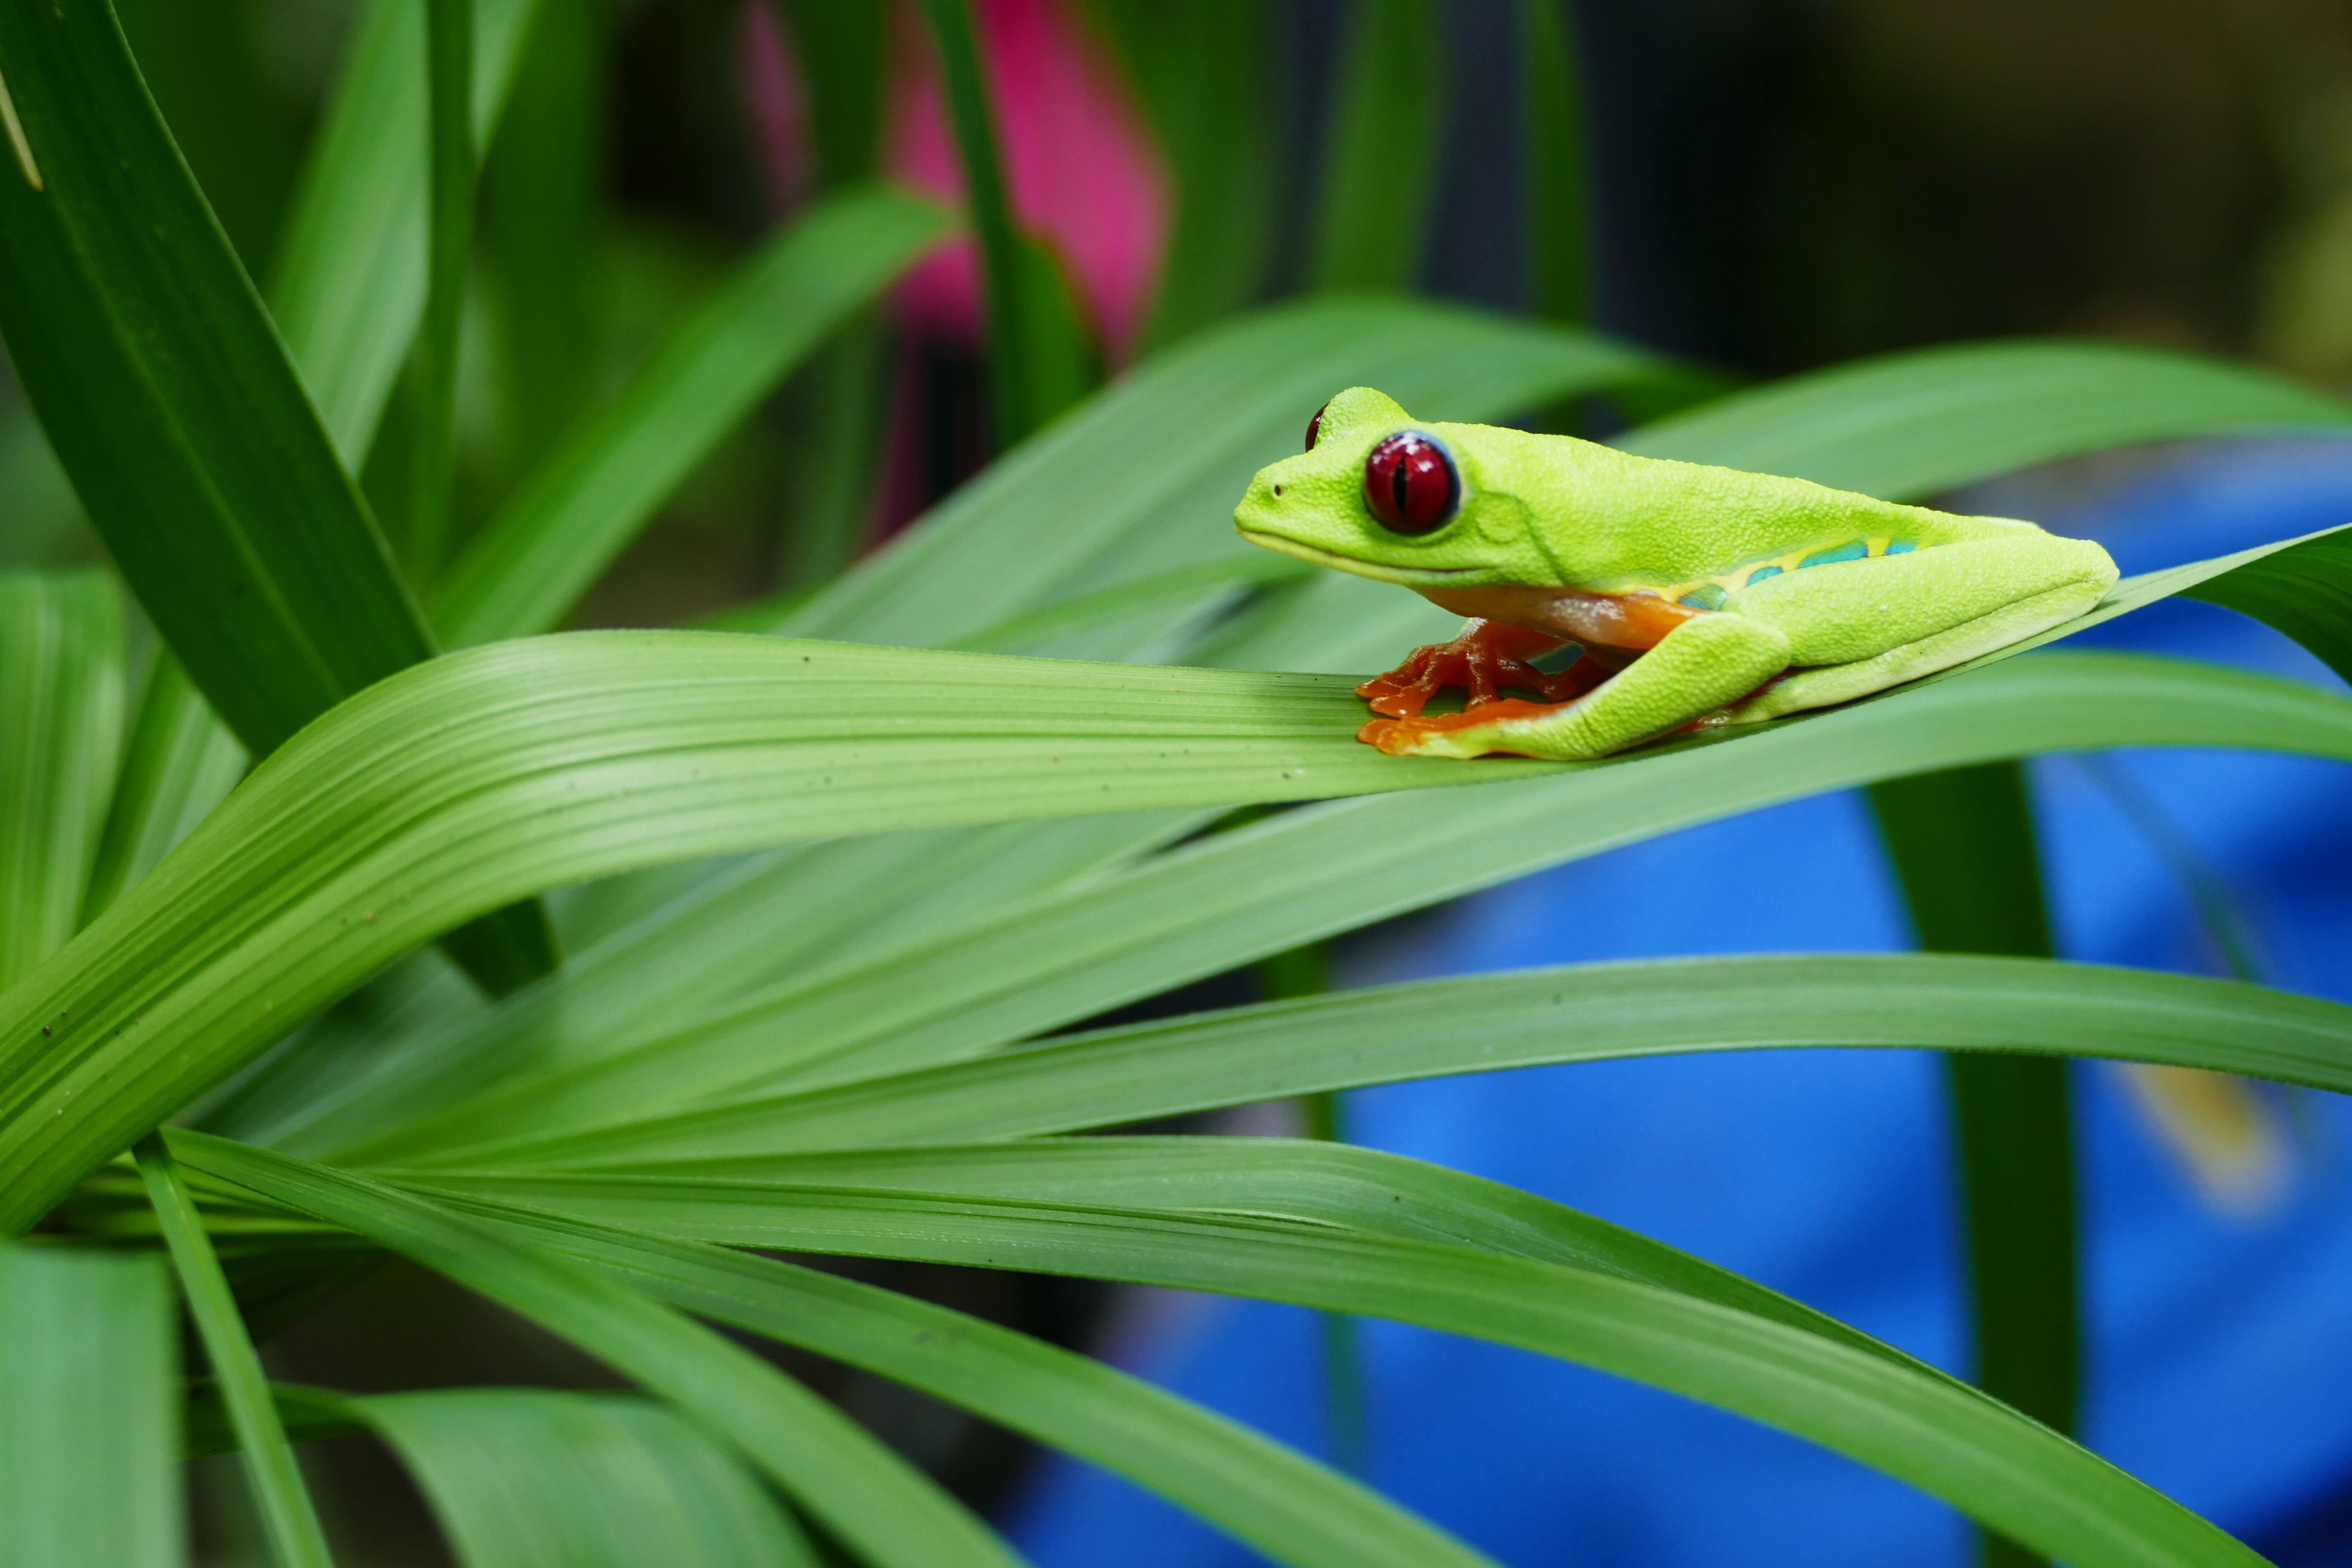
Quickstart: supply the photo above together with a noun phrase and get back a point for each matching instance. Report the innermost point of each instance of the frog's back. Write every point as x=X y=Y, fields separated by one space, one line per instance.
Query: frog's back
x=1618 y=523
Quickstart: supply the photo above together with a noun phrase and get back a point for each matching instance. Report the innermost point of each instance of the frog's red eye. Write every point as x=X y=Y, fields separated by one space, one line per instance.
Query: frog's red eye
x=1314 y=427
x=1411 y=483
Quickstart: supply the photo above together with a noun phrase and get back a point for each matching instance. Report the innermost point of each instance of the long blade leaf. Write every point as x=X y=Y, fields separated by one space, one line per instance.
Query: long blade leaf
x=607 y=476
x=60 y=729
x=89 y=1446
x=523 y=1477
x=426 y=800
x=1535 y=1017
x=873 y=1501
x=1923 y=1428
x=172 y=403
x=1274 y=1498
x=284 y=1503
x=350 y=284
x=1242 y=895
x=180 y=762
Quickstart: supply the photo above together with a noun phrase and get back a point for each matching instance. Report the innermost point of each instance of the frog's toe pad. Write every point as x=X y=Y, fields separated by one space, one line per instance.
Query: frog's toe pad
x=1507 y=727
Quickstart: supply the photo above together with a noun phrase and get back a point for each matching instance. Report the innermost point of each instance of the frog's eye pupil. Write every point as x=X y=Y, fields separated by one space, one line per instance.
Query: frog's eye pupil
x=1315 y=427
x=1411 y=483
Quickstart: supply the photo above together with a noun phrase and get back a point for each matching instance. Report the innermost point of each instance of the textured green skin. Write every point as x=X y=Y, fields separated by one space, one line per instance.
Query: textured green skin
x=1554 y=512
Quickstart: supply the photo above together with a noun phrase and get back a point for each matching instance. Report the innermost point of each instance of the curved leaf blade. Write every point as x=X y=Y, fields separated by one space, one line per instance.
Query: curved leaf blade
x=349 y=285
x=1241 y=895
x=528 y=1477
x=179 y=763
x=61 y=656
x=172 y=403
x=830 y=1466
x=1909 y=424
x=1269 y=1496
x=1141 y=480
x=607 y=477
x=1534 y=1017
x=286 y=1514
x=1311 y=1182
x=626 y=750
x=1930 y=1430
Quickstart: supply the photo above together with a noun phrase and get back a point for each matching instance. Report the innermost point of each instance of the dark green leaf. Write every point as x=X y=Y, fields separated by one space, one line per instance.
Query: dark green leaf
x=1379 y=148
x=348 y=288
x=1552 y=122
x=540 y=186
x=2305 y=593
x=172 y=403
x=1200 y=69
x=843 y=52
x=1039 y=359
x=1963 y=843
x=449 y=246
x=305 y=1415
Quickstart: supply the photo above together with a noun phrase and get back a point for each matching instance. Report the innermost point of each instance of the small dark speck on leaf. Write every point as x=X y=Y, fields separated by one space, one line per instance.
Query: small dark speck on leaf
x=45 y=1028
x=369 y=917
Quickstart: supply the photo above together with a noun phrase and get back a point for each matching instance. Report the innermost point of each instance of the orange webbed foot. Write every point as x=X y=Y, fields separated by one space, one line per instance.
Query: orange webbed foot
x=1487 y=657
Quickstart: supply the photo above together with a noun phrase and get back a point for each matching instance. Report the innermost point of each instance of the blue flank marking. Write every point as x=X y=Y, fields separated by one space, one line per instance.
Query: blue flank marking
x=1901 y=547
x=1763 y=572
x=1707 y=596
x=1856 y=551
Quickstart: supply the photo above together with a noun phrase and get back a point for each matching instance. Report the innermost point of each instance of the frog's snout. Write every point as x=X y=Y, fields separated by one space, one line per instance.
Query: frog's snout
x=1261 y=508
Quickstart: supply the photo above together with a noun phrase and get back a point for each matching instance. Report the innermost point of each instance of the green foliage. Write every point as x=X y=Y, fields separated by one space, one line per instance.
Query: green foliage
x=525 y=1479
x=611 y=471
x=286 y=1514
x=60 y=721
x=88 y=1444
x=1040 y=360
x=941 y=847
x=1379 y=148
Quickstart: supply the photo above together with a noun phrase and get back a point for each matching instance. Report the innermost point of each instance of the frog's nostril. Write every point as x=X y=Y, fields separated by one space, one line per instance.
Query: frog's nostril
x=1277 y=489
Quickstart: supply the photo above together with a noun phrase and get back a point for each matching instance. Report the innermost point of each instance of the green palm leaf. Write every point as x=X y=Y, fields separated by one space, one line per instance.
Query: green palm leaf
x=832 y=1468
x=90 y=1449
x=1931 y=1430
x=60 y=728
x=1491 y=1023
x=531 y=1479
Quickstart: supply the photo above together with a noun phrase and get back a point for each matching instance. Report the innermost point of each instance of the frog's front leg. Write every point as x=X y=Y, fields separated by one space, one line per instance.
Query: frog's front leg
x=1489 y=656
x=1703 y=666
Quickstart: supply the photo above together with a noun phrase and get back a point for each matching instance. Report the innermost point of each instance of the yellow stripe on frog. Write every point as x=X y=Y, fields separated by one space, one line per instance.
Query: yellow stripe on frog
x=1707 y=593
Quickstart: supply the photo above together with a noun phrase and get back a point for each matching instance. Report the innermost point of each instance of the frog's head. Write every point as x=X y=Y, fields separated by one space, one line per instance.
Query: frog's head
x=1384 y=495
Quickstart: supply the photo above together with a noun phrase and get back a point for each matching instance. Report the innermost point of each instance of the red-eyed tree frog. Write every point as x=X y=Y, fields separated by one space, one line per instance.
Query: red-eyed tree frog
x=1699 y=596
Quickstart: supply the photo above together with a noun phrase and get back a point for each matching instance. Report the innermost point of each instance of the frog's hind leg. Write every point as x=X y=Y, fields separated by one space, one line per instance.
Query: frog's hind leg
x=1820 y=688
x=1700 y=666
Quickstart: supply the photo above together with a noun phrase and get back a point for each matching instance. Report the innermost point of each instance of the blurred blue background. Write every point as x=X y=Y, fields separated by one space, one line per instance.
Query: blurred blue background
x=2218 y=1215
